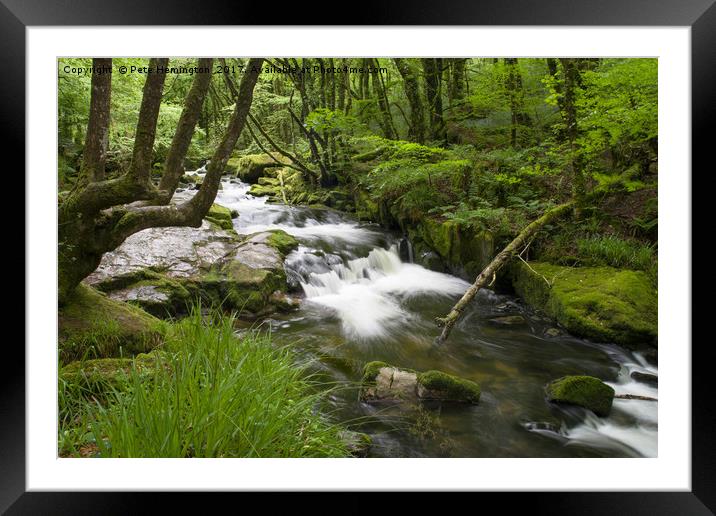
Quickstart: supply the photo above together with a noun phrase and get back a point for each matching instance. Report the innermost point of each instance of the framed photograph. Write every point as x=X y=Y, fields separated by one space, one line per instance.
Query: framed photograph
x=423 y=255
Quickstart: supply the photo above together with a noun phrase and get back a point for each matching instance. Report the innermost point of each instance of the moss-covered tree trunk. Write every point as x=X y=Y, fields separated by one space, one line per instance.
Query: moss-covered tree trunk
x=515 y=92
x=386 y=119
x=432 y=70
x=570 y=72
x=98 y=217
x=416 y=131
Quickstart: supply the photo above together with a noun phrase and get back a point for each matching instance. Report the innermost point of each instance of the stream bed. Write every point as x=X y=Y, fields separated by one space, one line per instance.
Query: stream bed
x=361 y=302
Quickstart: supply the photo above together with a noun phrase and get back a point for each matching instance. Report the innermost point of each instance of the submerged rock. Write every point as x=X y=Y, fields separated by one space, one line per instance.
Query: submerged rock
x=91 y=325
x=358 y=443
x=508 y=320
x=583 y=391
x=599 y=303
x=385 y=382
x=649 y=378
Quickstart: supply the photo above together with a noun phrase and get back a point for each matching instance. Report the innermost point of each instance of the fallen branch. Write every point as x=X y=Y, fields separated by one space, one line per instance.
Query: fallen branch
x=634 y=397
x=494 y=266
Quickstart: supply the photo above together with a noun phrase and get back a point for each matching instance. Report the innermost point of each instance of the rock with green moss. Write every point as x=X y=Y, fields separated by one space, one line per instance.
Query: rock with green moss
x=464 y=249
x=247 y=278
x=282 y=241
x=584 y=391
x=91 y=325
x=599 y=303
x=272 y=192
x=221 y=216
x=165 y=270
x=382 y=381
x=160 y=296
x=250 y=168
x=436 y=385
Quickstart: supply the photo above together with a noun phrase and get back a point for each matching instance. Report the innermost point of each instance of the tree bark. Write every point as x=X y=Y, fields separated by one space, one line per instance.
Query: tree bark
x=432 y=70
x=571 y=83
x=147 y=123
x=489 y=272
x=416 y=132
x=97 y=138
x=383 y=106
x=174 y=166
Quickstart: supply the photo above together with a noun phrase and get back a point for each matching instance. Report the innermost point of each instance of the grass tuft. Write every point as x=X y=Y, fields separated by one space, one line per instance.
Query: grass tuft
x=211 y=395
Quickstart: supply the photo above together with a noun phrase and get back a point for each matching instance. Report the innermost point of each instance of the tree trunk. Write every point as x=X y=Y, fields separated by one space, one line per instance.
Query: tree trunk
x=516 y=96
x=97 y=138
x=571 y=83
x=433 y=81
x=383 y=106
x=489 y=272
x=416 y=131
x=174 y=166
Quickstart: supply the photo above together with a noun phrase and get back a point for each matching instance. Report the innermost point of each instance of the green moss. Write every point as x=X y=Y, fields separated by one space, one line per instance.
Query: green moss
x=94 y=326
x=282 y=242
x=251 y=167
x=461 y=247
x=221 y=216
x=264 y=191
x=600 y=303
x=584 y=391
x=99 y=376
x=240 y=287
x=371 y=371
x=439 y=385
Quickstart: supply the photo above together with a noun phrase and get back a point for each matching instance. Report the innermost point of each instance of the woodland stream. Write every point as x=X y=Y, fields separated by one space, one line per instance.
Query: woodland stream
x=361 y=302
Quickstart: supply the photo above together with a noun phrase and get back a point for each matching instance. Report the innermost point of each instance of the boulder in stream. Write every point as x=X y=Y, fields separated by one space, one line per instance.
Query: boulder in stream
x=385 y=382
x=583 y=391
x=164 y=270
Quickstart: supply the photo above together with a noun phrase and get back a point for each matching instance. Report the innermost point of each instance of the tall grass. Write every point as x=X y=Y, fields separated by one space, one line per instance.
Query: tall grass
x=215 y=395
x=617 y=252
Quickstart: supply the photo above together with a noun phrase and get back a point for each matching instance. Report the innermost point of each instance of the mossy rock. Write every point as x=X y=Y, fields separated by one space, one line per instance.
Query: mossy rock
x=282 y=242
x=584 y=391
x=382 y=381
x=463 y=249
x=250 y=168
x=93 y=326
x=599 y=303
x=442 y=386
x=159 y=295
x=264 y=191
x=220 y=216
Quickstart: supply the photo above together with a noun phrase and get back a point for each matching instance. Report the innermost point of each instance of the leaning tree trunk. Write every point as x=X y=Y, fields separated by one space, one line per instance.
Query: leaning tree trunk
x=97 y=218
x=489 y=272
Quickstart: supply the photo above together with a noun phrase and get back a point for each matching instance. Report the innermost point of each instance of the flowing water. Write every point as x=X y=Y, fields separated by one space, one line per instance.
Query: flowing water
x=361 y=302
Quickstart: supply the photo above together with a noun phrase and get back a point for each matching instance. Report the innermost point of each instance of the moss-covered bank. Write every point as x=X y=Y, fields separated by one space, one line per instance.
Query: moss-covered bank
x=93 y=326
x=599 y=303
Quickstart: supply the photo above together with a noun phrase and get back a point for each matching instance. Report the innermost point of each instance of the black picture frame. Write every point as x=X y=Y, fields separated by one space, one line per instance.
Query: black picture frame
x=700 y=15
